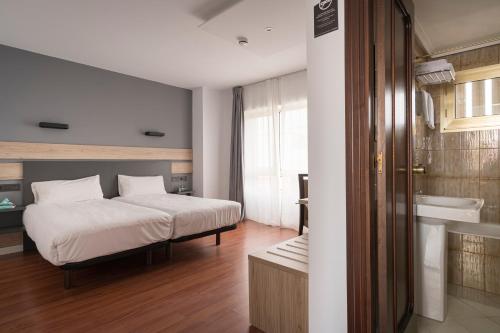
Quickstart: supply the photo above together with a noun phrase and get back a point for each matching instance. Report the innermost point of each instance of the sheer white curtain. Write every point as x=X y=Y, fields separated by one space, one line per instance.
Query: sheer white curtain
x=275 y=148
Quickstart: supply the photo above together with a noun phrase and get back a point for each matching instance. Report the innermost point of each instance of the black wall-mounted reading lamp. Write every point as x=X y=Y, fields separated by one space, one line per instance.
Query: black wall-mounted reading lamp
x=53 y=125
x=154 y=133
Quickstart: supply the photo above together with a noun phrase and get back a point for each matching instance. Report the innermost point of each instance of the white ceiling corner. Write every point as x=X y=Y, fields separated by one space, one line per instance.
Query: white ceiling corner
x=425 y=41
x=443 y=25
x=161 y=40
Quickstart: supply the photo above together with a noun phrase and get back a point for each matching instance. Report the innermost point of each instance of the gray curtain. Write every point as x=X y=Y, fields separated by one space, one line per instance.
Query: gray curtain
x=236 y=171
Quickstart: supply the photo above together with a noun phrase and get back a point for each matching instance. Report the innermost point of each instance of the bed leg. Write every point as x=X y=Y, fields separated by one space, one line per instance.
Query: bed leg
x=168 y=251
x=149 y=257
x=217 y=239
x=28 y=244
x=67 y=279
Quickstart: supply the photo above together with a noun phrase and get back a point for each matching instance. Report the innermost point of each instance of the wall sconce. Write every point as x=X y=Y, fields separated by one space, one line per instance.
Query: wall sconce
x=154 y=133
x=53 y=125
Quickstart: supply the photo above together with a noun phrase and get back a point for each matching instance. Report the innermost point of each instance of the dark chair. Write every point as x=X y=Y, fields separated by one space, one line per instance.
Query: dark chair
x=303 y=193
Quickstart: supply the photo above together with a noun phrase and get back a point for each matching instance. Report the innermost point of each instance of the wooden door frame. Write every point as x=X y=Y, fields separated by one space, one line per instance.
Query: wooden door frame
x=367 y=287
x=358 y=98
x=406 y=7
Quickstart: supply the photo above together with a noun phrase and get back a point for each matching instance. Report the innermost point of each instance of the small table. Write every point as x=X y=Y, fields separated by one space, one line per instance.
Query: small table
x=11 y=219
x=11 y=229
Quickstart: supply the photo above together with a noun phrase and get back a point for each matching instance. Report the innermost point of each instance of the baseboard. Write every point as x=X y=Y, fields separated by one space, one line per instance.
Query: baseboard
x=11 y=249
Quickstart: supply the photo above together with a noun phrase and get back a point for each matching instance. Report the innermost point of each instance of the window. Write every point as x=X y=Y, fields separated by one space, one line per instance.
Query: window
x=275 y=149
x=477 y=98
x=472 y=101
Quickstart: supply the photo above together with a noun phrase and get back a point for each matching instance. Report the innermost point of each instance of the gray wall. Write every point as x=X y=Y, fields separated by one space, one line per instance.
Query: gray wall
x=101 y=107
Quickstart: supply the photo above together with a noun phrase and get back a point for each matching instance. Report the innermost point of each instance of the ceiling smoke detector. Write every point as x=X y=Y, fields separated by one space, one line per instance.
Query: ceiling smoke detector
x=243 y=41
x=269 y=29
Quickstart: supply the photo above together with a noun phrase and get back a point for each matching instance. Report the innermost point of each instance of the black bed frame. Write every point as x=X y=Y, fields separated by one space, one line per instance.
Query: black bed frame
x=108 y=171
x=29 y=245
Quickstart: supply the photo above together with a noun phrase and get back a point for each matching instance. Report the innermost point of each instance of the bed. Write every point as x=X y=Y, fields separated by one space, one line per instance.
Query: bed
x=193 y=217
x=74 y=230
x=70 y=233
x=74 y=224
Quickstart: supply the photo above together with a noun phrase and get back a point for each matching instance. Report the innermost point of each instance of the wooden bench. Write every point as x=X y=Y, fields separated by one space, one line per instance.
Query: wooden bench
x=278 y=282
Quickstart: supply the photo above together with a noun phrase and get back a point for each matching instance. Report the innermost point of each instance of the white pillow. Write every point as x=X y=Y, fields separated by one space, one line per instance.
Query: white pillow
x=61 y=191
x=128 y=185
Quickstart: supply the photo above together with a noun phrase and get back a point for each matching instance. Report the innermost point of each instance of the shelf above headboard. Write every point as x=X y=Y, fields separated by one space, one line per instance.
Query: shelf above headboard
x=55 y=151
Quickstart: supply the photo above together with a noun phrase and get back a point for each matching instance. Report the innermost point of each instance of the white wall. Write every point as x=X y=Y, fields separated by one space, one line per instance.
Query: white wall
x=198 y=141
x=327 y=196
x=212 y=112
x=226 y=119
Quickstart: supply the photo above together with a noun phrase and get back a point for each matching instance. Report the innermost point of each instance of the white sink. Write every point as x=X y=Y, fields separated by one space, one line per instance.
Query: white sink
x=435 y=216
x=449 y=208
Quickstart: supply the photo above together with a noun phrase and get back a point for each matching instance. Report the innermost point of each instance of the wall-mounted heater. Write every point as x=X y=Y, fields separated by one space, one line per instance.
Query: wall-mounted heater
x=435 y=72
x=53 y=125
x=154 y=133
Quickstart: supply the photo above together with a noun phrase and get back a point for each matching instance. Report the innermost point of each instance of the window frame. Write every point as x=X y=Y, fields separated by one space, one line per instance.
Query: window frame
x=451 y=124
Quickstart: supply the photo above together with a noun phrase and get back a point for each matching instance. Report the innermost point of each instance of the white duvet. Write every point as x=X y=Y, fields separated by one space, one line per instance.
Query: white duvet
x=74 y=232
x=191 y=215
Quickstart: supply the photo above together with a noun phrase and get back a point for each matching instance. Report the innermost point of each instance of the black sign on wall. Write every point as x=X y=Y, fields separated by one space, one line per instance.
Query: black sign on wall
x=326 y=17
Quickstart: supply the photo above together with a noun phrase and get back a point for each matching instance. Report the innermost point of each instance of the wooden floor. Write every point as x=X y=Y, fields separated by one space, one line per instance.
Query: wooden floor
x=203 y=289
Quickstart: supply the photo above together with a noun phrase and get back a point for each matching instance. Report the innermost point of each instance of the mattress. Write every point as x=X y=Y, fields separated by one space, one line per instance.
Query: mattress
x=75 y=232
x=191 y=215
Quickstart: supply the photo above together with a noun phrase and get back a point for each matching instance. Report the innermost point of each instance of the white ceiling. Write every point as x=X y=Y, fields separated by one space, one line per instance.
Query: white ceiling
x=287 y=30
x=448 y=24
x=186 y=43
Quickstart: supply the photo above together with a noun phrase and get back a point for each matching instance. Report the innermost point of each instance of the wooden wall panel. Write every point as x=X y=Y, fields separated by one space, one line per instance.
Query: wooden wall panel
x=182 y=167
x=50 y=151
x=11 y=171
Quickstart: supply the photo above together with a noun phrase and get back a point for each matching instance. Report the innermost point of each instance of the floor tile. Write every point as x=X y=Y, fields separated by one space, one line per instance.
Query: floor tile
x=479 y=312
x=457 y=308
x=450 y=326
x=476 y=325
x=487 y=310
x=425 y=325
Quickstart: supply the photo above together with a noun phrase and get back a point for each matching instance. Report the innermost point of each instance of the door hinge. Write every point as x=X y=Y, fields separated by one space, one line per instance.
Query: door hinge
x=380 y=163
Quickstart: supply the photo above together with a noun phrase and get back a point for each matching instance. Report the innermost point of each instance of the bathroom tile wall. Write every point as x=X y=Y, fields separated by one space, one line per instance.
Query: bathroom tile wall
x=474 y=262
x=465 y=164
